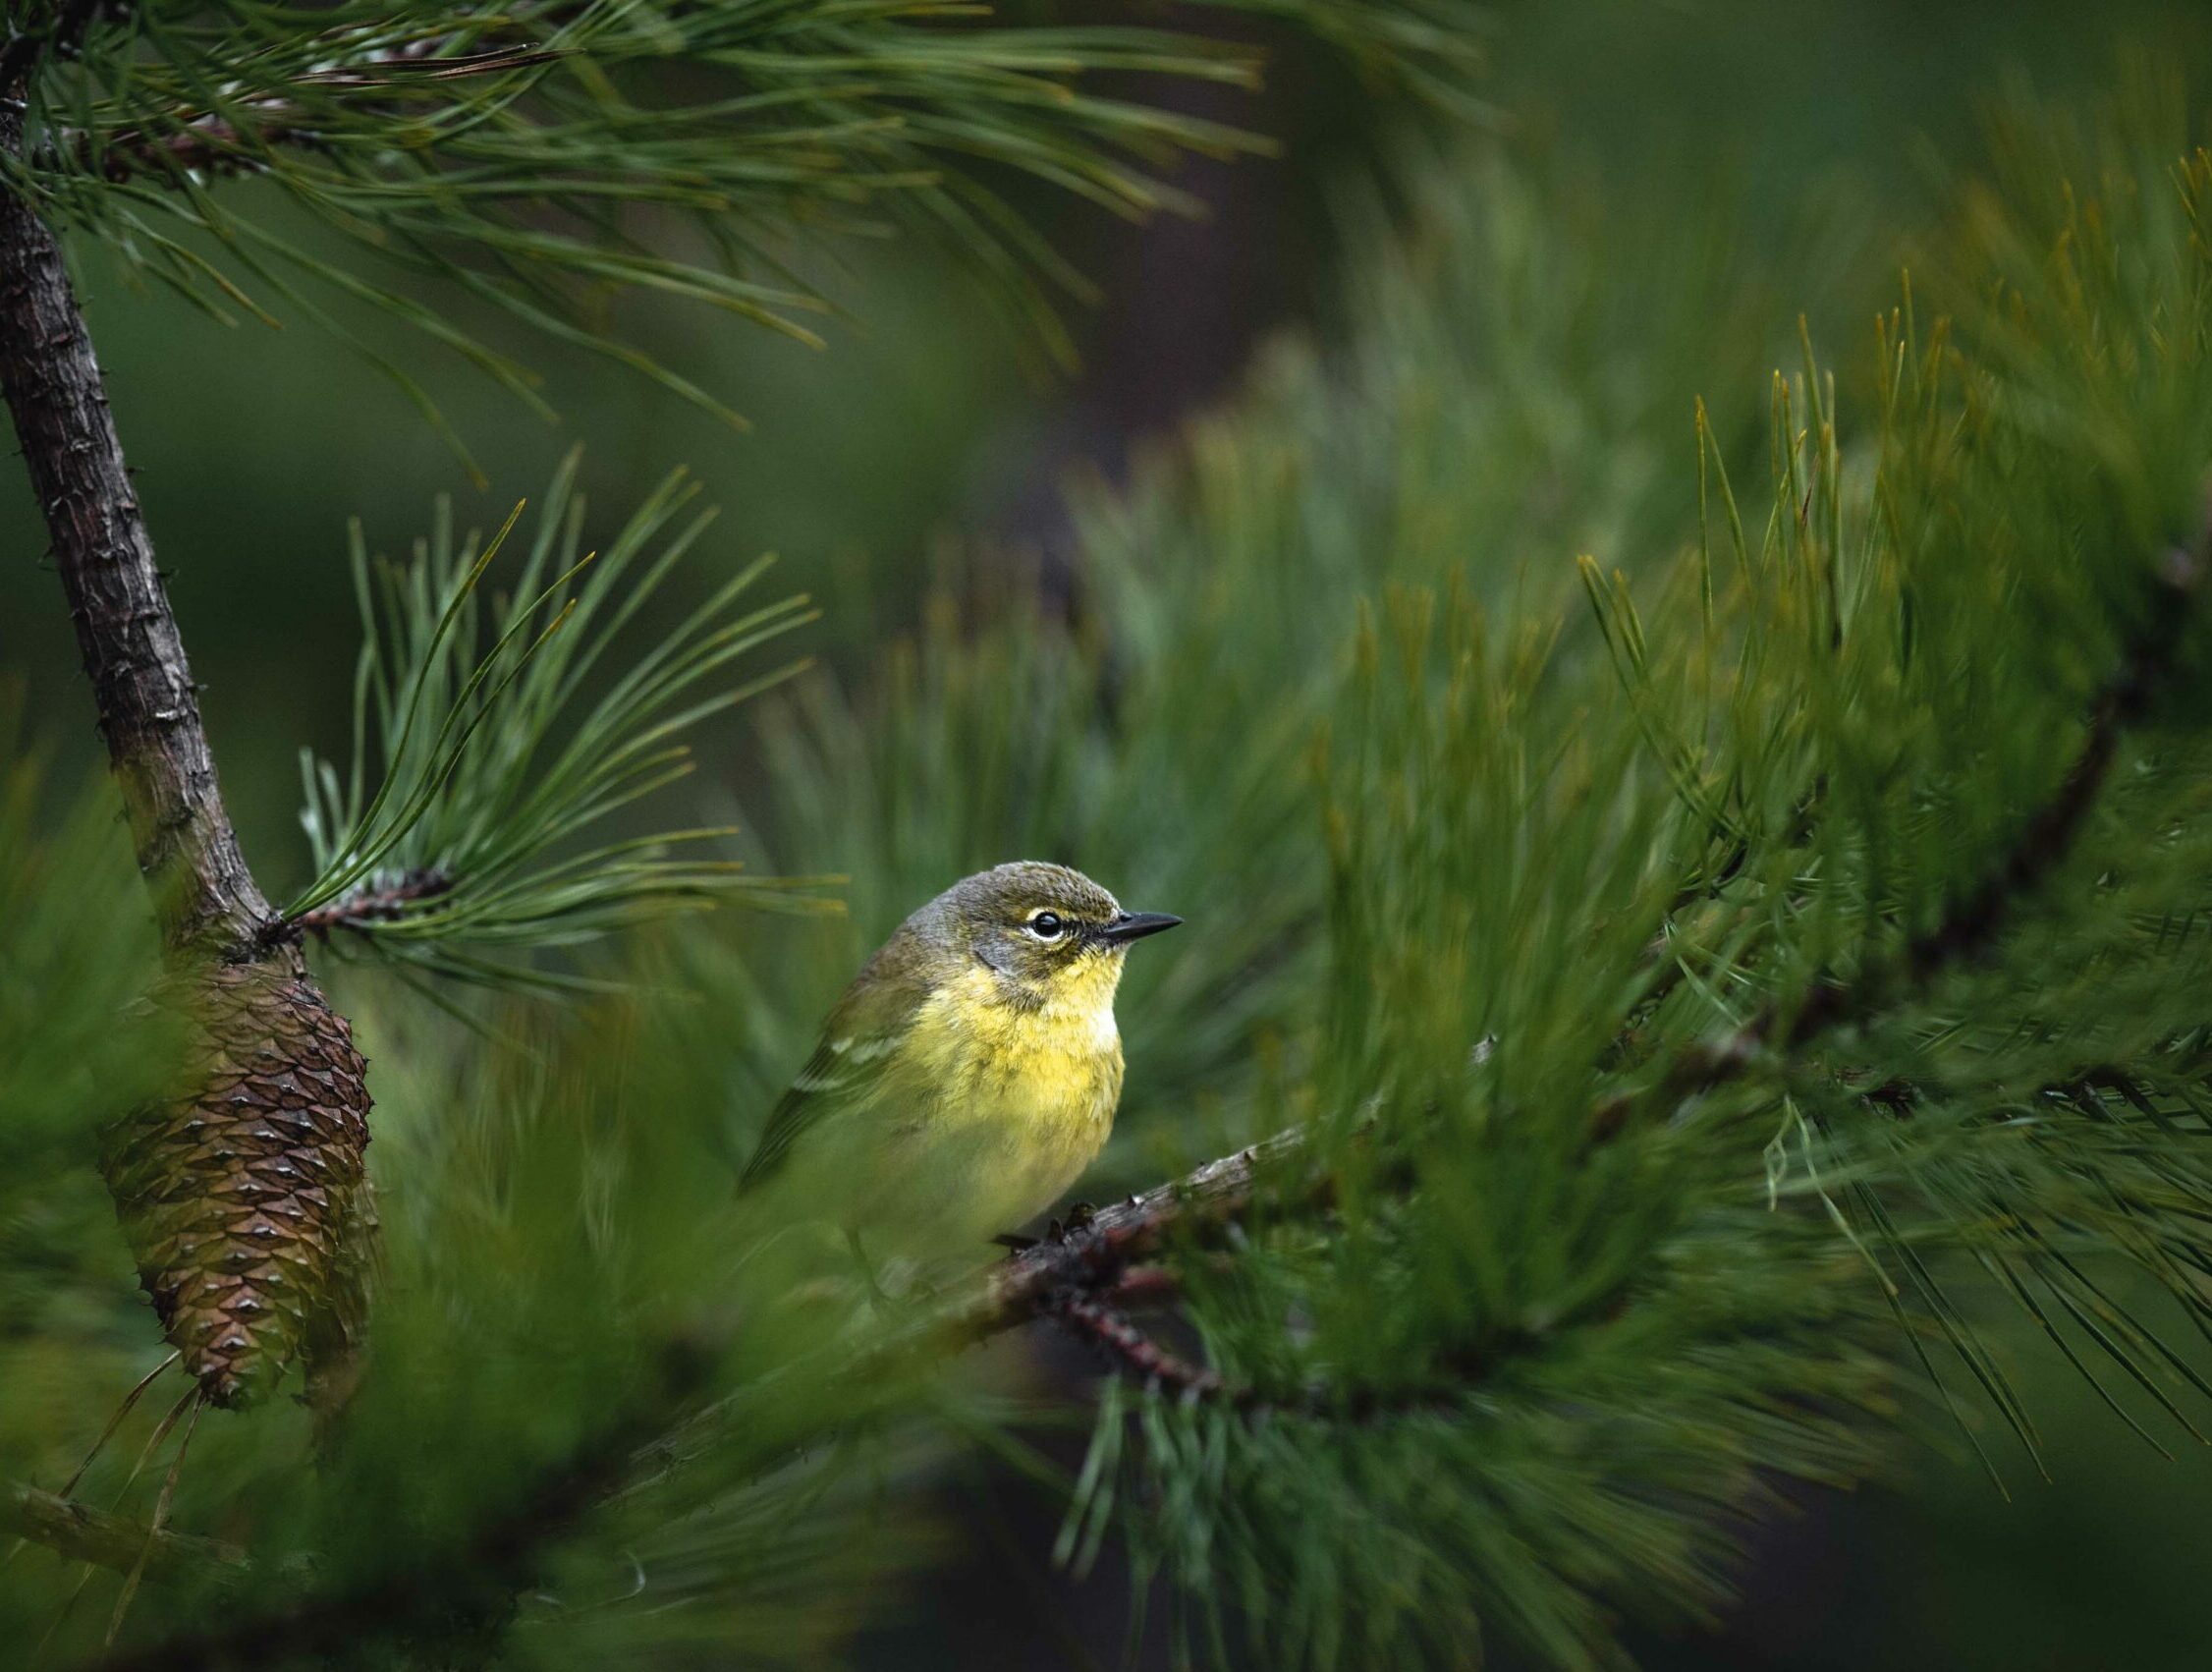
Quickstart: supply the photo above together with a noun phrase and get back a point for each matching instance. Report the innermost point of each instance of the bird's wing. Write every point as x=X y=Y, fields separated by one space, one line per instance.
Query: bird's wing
x=858 y=1042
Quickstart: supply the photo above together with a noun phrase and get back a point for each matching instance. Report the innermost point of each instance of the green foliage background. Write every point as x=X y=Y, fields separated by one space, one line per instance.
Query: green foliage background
x=1494 y=353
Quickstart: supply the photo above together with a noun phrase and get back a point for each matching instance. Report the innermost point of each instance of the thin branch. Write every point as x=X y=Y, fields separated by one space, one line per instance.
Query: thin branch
x=149 y=705
x=369 y=905
x=1145 y=1286
x=1098 y=1252
x=78 y=1533
x=211 y=142
x=1088 y=1319
x=1973 y=924
x=1093 y=1258
x=207 y=144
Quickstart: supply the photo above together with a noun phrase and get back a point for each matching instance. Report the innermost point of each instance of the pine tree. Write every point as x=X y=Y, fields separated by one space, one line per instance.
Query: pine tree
x=1644 y=1023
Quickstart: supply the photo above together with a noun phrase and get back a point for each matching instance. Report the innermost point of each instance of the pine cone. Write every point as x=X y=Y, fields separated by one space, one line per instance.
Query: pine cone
x=244 y=1199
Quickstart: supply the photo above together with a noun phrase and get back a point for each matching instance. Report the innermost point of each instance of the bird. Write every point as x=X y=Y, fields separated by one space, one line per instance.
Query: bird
x=969 y=1074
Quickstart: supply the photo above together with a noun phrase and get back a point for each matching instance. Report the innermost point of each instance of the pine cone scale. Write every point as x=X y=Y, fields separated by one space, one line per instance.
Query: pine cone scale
x=245 y=1198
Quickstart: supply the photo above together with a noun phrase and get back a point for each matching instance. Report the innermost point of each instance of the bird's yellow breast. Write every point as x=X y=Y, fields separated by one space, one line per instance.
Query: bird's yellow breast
x=1019 y=1099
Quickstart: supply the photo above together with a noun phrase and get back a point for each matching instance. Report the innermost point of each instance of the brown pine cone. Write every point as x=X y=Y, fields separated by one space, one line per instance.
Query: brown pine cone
x=244 y=1199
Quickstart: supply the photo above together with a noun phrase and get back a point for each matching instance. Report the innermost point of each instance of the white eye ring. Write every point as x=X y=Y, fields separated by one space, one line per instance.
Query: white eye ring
x=1046 y=925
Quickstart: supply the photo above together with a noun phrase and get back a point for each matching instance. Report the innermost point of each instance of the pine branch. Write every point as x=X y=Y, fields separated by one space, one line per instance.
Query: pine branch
x=1974 y=921
x=1096 y=1255
x=364 y=906
x=211 y=142
x=78 y=1533
x=149 y=705
x=450 y=841
x=537 y=156
x=1065 y=1278
x=207 y=144
x=1147 y=1361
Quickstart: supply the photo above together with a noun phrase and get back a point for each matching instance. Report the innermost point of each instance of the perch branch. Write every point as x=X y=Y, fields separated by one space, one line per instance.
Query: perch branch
x=1096 y=1255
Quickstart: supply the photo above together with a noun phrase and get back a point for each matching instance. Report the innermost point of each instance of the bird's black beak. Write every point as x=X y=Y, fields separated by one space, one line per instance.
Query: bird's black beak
x=1135 y=925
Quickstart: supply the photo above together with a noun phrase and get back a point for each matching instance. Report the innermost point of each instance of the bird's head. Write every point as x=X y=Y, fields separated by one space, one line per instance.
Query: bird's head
x=1044 y=932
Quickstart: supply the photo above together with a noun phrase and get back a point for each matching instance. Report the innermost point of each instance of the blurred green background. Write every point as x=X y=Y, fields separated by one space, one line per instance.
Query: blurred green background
x=1790 y=147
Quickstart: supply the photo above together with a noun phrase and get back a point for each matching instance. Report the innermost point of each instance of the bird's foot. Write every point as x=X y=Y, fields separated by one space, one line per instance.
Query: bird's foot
x=1079 y=1217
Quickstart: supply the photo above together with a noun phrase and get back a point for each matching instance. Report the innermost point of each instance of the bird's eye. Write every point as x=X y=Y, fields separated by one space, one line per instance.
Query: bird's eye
x=1046 y=925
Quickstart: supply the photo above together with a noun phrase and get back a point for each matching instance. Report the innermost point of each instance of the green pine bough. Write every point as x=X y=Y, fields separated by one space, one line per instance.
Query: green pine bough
x=490 y=766
x=539 y=158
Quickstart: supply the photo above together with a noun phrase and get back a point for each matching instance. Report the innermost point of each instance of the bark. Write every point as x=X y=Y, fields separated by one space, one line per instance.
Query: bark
x=149 y=705
x=243 y=1194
